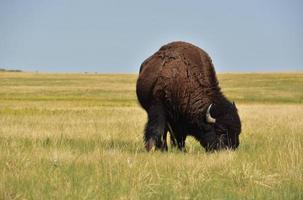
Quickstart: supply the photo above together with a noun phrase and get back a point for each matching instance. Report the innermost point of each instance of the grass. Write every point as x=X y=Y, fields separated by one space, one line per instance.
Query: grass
x=79 y=136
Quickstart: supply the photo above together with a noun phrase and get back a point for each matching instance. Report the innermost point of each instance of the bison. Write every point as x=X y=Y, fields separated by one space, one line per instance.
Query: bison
x=178 y=88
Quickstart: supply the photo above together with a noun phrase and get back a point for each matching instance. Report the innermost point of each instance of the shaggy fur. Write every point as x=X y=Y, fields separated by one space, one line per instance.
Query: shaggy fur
x=175 y=87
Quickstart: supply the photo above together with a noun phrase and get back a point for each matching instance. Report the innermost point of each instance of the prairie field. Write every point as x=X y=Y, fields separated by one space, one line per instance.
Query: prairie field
x=80 y=136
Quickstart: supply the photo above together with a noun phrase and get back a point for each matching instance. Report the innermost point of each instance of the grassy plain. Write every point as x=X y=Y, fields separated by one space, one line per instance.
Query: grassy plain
x=79 y=136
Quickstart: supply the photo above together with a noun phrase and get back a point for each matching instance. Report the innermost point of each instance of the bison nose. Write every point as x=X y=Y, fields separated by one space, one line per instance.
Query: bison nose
x=236 y=143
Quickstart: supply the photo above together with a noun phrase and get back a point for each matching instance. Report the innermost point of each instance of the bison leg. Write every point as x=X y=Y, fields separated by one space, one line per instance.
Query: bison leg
x=173 y=141
x=155 y=129
x=181 y=143
x=176 y=138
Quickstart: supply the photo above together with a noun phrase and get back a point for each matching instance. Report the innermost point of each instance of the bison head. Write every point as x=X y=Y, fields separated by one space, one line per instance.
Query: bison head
x=226 y=127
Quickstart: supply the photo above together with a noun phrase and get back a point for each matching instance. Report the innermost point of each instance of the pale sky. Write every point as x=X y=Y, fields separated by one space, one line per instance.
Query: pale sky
x=116 y=36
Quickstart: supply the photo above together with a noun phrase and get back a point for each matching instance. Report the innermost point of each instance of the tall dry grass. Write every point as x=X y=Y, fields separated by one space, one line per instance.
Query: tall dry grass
x=73 y=136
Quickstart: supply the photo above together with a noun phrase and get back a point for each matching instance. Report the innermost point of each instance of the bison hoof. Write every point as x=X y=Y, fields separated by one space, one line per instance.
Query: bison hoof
x=149 y=144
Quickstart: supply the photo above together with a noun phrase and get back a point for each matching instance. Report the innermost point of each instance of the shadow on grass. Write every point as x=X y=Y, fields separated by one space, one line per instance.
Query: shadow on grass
x=84 y=145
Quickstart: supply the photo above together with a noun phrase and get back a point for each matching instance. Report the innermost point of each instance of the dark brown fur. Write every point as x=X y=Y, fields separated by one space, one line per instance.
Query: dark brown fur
x=175 y=87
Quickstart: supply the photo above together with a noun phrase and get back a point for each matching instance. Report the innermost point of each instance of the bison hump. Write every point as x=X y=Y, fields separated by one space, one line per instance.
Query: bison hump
x=178 y=73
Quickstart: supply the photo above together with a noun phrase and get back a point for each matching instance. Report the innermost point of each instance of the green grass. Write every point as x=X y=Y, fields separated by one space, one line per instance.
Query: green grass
x=79 y=136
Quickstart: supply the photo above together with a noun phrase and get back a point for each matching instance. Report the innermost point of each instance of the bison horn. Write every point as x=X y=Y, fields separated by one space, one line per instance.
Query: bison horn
x=209 y=119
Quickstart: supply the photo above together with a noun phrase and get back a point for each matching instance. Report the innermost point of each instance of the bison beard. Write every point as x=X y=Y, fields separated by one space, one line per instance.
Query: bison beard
x=178 y=88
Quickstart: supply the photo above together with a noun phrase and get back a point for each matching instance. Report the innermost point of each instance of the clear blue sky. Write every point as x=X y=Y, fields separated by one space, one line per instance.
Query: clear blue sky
x=116 y=36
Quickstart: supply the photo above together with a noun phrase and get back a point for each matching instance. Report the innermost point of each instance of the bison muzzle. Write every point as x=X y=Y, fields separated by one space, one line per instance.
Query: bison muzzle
x=178 y=88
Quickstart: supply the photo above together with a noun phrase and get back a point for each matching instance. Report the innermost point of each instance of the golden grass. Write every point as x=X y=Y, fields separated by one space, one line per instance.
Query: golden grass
x=72 y=136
